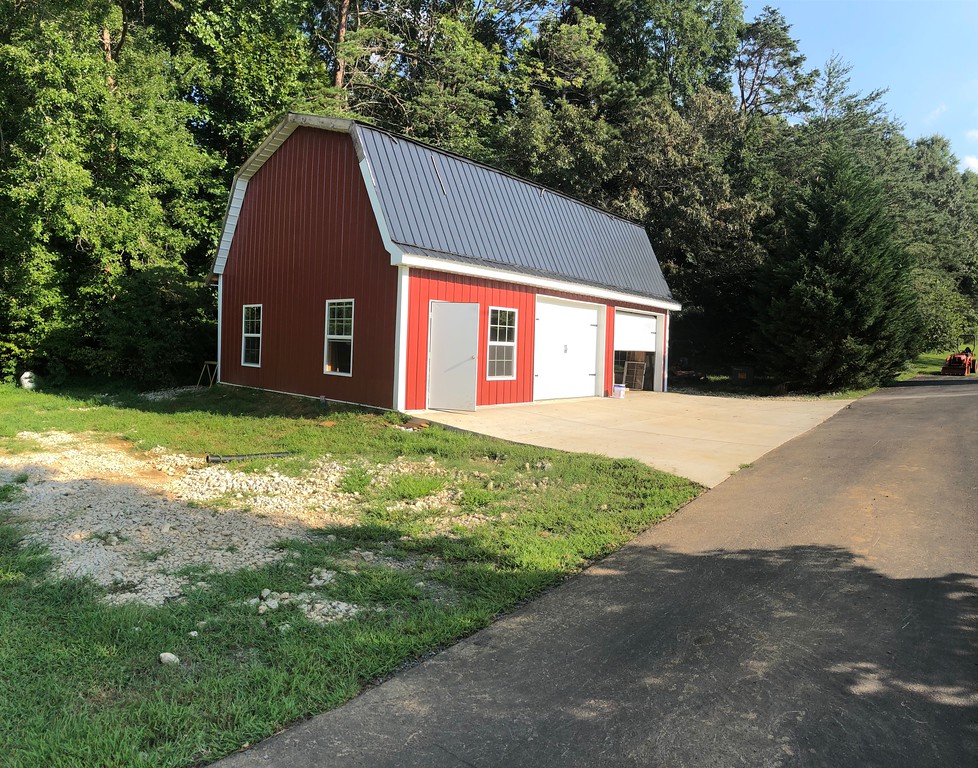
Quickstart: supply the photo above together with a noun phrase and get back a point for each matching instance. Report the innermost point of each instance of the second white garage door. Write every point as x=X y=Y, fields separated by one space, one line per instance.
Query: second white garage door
x=565 y=356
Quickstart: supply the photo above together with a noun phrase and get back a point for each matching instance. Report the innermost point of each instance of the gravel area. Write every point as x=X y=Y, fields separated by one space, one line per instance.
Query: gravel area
x=134 y=523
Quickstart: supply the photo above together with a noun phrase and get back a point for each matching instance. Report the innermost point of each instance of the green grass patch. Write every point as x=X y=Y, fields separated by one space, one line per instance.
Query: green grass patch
x=413 y=486
x=82 y=684
x=929 y=363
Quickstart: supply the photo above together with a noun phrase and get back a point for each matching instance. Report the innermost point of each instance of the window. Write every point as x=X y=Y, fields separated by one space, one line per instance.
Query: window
x=502 y=344
x=339 y=338
x=251 y=335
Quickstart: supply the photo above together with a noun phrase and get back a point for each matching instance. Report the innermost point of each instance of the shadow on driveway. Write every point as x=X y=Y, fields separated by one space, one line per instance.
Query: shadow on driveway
x=785 y=657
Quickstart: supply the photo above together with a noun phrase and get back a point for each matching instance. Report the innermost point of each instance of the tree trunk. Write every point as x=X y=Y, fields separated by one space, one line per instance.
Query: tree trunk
x=340 y=37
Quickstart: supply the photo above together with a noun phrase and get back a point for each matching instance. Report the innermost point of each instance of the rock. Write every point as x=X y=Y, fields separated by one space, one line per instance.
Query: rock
x=165 y=529
x=262 y=609
x=331 y=537
x=265 y=593
x=271 y=604
x=169 y=659
x=193 y=633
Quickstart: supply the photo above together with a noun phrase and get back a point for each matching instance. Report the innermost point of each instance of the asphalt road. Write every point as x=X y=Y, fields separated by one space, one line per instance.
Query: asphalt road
x=817 y=609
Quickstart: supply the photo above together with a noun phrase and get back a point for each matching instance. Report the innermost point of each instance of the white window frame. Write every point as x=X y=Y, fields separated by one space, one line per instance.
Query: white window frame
x=245 y=335
x=334 y=337
x=490 y=343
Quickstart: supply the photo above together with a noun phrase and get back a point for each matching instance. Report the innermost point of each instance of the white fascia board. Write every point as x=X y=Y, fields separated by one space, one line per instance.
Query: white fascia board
x=254 y=163
x=220 y=322
x=378 y=210
x=546 y=283
x=401 y=338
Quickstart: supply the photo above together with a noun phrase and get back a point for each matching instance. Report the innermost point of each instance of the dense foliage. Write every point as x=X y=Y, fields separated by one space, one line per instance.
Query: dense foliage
x=123 y=122
x=835 y=307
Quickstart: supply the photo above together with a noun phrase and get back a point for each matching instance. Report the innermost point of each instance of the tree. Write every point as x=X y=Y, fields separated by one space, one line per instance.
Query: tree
x=101 y=179
x=769 y=74
x=668 y=49
x=836 y=307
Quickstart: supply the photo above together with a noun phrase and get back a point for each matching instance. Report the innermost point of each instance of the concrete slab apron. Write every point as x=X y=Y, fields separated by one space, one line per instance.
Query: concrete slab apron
x=695 y=436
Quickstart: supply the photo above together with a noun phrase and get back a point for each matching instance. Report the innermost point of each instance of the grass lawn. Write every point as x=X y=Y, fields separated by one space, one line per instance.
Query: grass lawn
x=81 y=684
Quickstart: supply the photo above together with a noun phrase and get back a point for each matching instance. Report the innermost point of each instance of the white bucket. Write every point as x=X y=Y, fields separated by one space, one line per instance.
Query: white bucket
x=618 y=390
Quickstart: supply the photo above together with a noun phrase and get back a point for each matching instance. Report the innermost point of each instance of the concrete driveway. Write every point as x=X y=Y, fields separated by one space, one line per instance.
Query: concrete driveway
x=704 y=438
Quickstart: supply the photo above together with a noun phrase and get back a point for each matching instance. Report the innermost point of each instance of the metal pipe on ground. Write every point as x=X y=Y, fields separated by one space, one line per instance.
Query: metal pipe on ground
x=218 y=459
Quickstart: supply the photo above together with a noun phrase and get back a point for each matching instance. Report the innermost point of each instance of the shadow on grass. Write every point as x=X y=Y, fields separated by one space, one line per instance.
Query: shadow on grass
x=801 y=656
x=219 y=400
x=82 y=683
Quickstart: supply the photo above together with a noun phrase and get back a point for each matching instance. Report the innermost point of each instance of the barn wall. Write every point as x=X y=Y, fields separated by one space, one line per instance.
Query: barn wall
x=427 y=286
x=307 y=234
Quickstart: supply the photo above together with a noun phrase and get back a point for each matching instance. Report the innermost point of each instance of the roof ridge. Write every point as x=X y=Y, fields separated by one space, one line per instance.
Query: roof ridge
x=356 y=124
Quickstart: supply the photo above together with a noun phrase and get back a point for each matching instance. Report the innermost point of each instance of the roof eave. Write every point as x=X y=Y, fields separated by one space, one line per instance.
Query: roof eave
x=555 y=283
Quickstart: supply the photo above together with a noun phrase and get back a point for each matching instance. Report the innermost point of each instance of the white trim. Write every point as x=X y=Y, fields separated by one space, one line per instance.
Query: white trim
x=385 y=234
x=245 y=335
x=546 y=283
x=401 y=337
x=513 y=343
x=327 y=337
x=665 y=352
x=220 y=324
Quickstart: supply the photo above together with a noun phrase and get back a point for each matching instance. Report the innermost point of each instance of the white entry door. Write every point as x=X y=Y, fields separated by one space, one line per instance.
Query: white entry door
x=565 y=349
x=453 y=349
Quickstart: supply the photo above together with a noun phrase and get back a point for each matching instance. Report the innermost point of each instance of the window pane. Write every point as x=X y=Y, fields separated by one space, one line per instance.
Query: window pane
x=252 y=350
x=339 y=319
x=252 y=319
x=339 y=356
x=502 y=325
x=501 y=360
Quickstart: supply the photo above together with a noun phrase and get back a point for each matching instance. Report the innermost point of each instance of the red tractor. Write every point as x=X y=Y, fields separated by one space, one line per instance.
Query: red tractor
x=959 y=364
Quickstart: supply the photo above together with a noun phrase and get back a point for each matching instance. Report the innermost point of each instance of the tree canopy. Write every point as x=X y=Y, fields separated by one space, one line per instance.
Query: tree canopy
x=124 y=121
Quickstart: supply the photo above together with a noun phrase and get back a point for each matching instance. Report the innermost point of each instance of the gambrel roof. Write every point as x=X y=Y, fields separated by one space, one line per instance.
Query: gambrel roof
x=437 y=208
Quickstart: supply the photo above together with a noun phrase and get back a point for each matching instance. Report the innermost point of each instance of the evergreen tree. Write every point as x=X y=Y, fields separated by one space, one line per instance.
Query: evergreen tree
x=836 y=307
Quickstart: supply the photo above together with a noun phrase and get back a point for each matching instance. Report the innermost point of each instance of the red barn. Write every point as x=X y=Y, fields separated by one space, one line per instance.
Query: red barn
x=361 y=266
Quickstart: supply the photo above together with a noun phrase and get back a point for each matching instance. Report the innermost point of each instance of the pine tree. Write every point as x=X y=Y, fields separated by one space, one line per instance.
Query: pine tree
x=835 y=306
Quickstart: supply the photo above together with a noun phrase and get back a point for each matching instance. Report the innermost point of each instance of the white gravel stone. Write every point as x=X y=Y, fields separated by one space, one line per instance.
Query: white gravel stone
x=131 y=522
x=169 y=658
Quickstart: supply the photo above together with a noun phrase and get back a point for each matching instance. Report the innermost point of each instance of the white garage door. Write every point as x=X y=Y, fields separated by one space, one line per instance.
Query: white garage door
x=634 y=332
x=565 y=356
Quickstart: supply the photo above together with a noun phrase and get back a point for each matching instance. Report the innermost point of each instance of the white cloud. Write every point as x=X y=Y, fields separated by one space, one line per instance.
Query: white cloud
x=932 y=116
x=972 y=135
x=971 y=163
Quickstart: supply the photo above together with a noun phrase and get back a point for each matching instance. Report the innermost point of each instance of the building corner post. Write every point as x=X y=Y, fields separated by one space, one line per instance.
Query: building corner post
x=401 y=338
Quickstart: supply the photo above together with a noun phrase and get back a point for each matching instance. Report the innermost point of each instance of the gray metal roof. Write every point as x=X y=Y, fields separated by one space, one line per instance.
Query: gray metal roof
x=441 y=205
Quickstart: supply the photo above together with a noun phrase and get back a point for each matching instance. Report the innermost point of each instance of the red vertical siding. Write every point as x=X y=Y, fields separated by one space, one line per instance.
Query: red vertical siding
x=427 y=286
x=306 y=234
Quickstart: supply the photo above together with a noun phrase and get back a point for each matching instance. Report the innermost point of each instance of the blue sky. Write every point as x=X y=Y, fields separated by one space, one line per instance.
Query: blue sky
x=925 y=52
